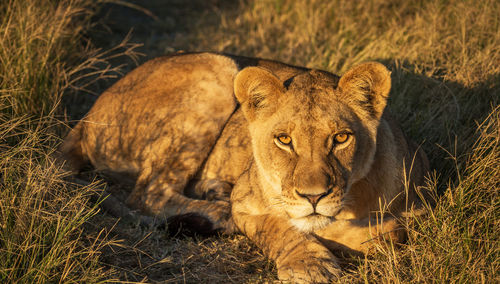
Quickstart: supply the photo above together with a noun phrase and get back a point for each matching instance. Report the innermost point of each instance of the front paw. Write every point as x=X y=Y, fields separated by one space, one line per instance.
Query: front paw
x=310 y=269
x=220 y=216
x=217 y=219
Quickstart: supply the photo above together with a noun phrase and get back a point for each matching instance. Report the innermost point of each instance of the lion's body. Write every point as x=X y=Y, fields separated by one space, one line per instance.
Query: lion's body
x=176 y=121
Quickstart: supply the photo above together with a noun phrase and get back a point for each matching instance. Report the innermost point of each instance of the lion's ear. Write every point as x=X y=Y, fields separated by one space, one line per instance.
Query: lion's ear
x=367 y=84
x=257 y=90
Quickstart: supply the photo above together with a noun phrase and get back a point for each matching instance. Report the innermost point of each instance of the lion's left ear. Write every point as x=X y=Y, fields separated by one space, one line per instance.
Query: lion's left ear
x=367 y=84
x=257 y=89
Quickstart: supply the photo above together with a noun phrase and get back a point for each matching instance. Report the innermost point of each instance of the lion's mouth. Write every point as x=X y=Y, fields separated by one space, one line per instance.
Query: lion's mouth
x=311 y=222
x=316 y=215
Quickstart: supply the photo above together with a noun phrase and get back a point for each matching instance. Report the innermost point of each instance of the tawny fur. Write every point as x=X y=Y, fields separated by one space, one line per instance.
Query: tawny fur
x=205 y=119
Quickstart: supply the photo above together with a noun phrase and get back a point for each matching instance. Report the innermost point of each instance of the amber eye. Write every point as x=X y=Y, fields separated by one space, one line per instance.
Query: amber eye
x=341 y=138
x=284 y=139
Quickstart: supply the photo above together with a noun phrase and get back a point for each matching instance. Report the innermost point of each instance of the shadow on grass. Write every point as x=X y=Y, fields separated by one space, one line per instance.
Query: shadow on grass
x=442 y=116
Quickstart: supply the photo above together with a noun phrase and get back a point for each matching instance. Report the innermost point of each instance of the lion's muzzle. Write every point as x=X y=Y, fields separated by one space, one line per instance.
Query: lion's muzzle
x=314 y=198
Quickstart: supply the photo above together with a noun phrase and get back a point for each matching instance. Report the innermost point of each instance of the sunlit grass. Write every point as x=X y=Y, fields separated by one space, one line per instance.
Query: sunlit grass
x=41 y=215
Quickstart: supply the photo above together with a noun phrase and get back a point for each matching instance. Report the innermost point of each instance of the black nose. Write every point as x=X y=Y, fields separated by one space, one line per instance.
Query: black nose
x=314 y=198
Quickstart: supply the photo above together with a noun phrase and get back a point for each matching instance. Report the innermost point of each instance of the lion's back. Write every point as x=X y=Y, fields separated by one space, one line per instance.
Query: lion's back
x=159 y=110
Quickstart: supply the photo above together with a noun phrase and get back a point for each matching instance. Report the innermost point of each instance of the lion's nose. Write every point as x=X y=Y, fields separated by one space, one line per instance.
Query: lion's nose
x=314 y=198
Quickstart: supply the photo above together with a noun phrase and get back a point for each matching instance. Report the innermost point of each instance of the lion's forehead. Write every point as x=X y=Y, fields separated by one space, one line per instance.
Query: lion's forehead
x=297 y=118
x=315 y=105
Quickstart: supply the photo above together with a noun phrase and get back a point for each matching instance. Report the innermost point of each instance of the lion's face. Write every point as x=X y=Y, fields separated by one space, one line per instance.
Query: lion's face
x=310 y=142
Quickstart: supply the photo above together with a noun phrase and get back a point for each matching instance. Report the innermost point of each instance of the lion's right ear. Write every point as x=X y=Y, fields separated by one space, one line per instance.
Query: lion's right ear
x=257 y=90
x=367 y=85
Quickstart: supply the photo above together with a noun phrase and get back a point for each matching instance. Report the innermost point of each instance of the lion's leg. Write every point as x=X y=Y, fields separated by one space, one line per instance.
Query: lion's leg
x=299 y=257
x=360 y=235
x=213 y=189
x=163 y=196
x=172 y=203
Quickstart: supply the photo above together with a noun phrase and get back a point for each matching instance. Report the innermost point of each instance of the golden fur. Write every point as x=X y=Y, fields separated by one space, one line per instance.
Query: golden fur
x=299 y=200
x=311 y=156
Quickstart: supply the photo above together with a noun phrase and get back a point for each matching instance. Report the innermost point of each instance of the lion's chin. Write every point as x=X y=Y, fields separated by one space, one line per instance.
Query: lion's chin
x=311 y=223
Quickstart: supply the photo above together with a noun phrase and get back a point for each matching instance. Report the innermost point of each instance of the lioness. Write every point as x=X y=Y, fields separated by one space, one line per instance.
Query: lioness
x=310 y=155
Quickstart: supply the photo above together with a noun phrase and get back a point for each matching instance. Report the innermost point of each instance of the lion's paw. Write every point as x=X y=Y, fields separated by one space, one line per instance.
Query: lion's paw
x=317 y=266
x=220 y=216
x=310 y=271
x=214 y=189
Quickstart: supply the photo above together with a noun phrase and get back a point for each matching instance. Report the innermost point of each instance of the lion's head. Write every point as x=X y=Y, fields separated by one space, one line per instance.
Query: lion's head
x=313 y=135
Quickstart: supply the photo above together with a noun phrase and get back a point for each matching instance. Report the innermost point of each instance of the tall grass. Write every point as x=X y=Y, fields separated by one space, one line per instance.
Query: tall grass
x=33 y=46
x=41 y=215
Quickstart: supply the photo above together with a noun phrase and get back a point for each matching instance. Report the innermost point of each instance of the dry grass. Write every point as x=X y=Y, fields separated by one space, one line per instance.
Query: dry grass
x=34 y=40
x=41 y=215
x=445 y=58
x=458 y=240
